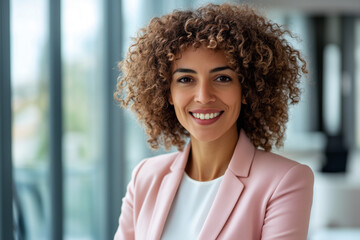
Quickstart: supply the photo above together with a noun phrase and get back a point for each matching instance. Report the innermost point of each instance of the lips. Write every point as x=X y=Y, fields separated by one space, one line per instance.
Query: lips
x=206 y=116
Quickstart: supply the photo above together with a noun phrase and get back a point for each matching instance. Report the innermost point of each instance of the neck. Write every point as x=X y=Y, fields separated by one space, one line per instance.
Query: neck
x=209 y=160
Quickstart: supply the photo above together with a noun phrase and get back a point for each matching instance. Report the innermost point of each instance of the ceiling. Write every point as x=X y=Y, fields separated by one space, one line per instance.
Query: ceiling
x=310 y=6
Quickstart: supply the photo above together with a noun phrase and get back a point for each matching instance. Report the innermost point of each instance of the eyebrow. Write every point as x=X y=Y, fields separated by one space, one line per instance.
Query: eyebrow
x=188 y=70
x=218 y=69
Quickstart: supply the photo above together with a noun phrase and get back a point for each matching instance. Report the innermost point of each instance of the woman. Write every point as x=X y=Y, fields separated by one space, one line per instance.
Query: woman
x=224 y=77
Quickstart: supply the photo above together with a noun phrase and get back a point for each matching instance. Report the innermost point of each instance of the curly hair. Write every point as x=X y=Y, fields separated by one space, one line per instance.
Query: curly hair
x=268 y=67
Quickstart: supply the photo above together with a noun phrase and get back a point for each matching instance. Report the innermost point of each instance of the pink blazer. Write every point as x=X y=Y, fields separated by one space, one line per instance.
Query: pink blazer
x=262 y=196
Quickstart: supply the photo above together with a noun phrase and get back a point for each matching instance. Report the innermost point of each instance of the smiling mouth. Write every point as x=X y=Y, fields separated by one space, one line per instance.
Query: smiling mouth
x=206 y=116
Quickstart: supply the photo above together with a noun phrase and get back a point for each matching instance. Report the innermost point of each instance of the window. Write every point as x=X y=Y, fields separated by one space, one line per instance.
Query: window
x=83 y=117
x=30 y=104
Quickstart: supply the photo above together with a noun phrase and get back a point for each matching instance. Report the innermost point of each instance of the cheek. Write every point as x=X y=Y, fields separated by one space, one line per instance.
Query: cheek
x=178 y=102
x=178 y=97
x=234 y=98
x=234 y=101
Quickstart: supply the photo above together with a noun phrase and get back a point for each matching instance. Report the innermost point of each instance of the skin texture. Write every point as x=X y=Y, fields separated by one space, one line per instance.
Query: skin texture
x=203 y=82
x=268 y=68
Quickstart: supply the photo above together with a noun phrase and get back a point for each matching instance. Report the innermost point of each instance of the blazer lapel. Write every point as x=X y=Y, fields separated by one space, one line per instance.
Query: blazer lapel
x=225 y=200
x=230 y=189
x=166 y=194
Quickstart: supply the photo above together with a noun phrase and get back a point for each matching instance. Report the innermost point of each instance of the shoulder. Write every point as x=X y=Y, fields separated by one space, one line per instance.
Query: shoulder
x=276 y=170
x=271 y=162
x=154 y=167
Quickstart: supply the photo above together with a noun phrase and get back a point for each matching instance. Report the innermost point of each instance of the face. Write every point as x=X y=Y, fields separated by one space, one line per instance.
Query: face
x=205 y=93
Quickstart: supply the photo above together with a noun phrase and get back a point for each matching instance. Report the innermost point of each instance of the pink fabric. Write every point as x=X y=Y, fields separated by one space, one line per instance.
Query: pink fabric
x=262 y=196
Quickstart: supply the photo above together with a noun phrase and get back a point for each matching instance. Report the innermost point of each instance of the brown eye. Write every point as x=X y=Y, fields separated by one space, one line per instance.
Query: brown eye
x=184 y=80
x=223 y=79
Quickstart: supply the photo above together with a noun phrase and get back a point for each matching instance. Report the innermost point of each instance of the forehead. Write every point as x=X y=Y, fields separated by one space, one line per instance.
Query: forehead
x=199 y=57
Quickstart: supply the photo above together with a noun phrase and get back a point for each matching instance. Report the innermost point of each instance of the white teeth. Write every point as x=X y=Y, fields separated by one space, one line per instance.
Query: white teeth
x=206 y=116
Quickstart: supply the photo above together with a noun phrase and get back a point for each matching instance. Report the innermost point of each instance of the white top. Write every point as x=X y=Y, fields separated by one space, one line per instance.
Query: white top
x=190 y=208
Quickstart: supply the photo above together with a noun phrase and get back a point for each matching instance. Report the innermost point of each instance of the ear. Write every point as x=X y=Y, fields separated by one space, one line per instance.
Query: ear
x=243 y=101
x=170 y=99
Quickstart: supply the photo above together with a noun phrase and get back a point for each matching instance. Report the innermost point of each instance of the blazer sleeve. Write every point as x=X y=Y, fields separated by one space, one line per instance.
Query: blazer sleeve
x=126 y=228
x=288 y=210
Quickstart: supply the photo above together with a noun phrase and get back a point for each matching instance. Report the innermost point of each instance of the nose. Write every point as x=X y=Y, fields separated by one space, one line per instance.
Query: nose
x=204 y=93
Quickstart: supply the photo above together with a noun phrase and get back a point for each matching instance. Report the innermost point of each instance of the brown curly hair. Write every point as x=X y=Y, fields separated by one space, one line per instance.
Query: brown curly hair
x=268 y=67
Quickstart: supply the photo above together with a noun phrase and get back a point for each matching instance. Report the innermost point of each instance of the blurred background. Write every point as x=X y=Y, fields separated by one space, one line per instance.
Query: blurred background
x=67 y=149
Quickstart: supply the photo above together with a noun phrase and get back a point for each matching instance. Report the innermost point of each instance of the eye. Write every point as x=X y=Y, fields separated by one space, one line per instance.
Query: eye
x=223 y=79
x=184 y=80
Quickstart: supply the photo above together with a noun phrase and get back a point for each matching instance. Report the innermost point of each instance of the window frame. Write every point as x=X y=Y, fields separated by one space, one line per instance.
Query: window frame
x=6 y=183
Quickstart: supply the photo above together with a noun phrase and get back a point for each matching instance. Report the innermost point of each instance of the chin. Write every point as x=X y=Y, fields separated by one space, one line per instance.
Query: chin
x=205 y=137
